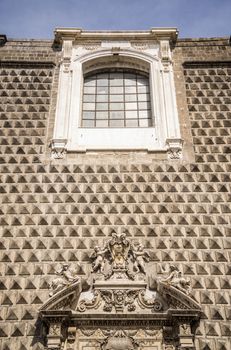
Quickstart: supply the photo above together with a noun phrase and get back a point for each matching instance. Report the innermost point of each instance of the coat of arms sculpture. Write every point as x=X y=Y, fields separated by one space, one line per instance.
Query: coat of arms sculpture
x=122 y=283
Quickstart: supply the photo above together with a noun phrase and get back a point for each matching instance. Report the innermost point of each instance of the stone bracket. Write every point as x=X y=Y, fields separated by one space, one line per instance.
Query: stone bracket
x=56 y=321
x=185 y=337
x=165 y=54
x=174 y=148
x=58 y=148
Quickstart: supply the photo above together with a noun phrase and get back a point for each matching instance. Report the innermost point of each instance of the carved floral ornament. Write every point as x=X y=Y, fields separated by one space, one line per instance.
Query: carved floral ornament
x=121 y=284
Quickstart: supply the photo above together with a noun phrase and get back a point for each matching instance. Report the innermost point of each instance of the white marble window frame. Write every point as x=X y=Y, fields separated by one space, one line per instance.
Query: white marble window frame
x=71 y=137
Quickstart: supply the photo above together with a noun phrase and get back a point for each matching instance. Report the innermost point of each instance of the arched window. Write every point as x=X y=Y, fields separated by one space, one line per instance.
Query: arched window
x=116 y=92
x=116 y=99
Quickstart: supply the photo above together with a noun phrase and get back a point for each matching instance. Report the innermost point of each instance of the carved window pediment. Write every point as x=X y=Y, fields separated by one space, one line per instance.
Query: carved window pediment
x=119 y=294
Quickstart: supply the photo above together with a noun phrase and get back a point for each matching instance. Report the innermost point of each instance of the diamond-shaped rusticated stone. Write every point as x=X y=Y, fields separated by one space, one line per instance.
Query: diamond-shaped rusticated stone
x=209 y=103
x=24 y=106
x=57 y=213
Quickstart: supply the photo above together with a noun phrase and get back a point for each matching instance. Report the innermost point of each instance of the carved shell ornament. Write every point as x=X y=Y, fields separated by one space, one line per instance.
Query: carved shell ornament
x=119 y=341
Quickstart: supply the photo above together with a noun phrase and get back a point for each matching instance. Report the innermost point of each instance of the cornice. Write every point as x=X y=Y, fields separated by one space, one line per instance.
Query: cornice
x=78 y=34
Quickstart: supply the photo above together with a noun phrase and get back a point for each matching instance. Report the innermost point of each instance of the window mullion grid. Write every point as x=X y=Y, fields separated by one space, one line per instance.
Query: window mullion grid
x=128 y=100
x=96 y=94
x=125 y=119
x=137 y=103
x=109 y=100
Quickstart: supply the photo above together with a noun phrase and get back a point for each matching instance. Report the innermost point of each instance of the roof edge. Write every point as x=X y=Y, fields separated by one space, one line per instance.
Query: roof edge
x=165 y=33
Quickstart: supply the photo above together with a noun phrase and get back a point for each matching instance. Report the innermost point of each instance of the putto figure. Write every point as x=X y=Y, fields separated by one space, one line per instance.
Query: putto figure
x=66 y=277
x=141 y=257
x=99 y=262
x=119 y=258
x=176 y=279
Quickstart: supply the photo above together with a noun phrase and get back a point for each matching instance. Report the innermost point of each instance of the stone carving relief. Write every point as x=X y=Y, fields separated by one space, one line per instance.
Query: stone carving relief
x=119 y=258
x=141 y=46
x=58 y=149
x=91 y=301
x=119 y=280
x=91 y=45
x=118 y=287
x=66 y=276
x=117 y=338
x=58 y=153
x=185 y=329
x=67 y=51
x=119 y=299
x=174 y=148
x=174 y=153
x=140 y=258
x=119 y=341
x=174 y=278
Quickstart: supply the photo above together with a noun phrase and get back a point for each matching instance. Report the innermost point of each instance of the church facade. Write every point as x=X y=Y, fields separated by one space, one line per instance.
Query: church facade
x=115 y=191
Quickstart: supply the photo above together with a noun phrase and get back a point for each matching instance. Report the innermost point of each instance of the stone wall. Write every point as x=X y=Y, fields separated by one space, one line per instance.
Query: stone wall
x=57 y=211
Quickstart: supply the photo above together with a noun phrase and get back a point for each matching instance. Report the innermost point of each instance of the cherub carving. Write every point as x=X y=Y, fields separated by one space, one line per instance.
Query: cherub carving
x=176 y=279
x=66 y=277
x=141 y=257
x=99 y=262
x=119 y=258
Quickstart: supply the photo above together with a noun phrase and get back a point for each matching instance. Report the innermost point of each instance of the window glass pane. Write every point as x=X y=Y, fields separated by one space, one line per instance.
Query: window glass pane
x=144 y=105
x=143 y=89
x=89 y=98
x=141 y=80
x=101 y=106
x=102 y=98
x=88 y=106
x=102 y=80
x=116 y=106
x=145 y=114
x=101 y=123
x=117 y=115
x=91 y=81
x=130 y=89
x=116 y=79
x=117 y=123
x=131 y=114
x=88 y=123
x=89 y=90
x=88 y=115
x=116 y=90
x=143 y=97
x=130 y=98
x=145 y=122
x=130 y=105
x=129 y=79
x=116 y=98
x=101 y=115
x=131 y=123
x=102 y=90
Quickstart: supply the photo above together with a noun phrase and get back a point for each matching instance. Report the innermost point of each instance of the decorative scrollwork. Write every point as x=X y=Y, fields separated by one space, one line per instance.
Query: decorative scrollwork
x=85 y=304
x=149 y=302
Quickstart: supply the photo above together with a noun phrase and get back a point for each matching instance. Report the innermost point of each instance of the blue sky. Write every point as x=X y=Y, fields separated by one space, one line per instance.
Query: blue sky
x=38 y=18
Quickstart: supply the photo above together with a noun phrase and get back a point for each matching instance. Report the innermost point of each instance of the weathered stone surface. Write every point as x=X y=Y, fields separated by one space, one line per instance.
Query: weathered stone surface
x=55 y=212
